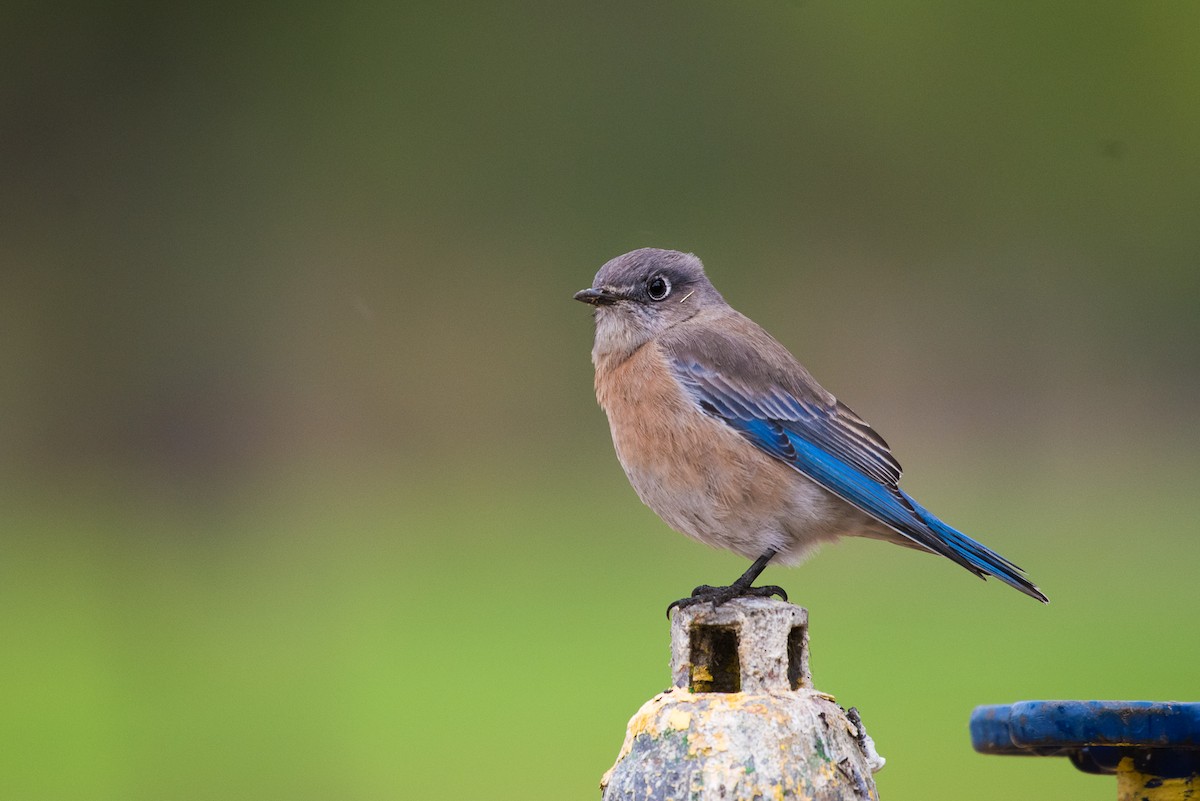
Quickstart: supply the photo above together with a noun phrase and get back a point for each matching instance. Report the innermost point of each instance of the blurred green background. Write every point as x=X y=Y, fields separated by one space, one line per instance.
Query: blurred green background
x=304 y=493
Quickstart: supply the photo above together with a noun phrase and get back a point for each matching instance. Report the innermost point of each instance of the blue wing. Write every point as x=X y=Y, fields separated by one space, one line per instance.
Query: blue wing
x=830 y=444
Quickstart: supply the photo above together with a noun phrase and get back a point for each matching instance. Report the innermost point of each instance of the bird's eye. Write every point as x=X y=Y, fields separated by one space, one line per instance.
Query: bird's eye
x=658 y=288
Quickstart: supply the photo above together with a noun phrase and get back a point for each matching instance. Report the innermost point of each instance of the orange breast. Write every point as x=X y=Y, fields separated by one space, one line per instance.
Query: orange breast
x=698 y=474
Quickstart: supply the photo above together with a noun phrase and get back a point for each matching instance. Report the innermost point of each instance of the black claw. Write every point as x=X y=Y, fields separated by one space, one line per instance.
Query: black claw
x=767 y=590
x=717 y=596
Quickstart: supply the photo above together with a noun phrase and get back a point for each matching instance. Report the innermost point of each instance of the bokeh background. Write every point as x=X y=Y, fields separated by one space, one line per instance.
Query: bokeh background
x=304 y=493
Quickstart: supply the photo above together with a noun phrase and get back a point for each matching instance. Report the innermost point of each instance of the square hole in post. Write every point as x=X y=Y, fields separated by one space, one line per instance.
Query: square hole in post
x=796 y=645
x=715 y=664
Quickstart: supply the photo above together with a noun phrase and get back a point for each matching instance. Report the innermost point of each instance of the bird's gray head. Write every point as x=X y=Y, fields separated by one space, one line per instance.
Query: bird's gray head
x=643 y=293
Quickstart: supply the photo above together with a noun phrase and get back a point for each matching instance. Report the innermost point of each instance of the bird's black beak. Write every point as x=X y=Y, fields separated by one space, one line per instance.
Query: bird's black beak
x=597 y=297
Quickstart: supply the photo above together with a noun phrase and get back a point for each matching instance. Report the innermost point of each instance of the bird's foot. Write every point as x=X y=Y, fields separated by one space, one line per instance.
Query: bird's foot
x=721 y=595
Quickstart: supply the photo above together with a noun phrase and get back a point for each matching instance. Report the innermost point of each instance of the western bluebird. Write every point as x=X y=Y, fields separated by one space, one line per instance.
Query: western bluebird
x=732 y=442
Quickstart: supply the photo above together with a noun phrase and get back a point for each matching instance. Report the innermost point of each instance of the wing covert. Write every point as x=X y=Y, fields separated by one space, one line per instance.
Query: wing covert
x=833 y=427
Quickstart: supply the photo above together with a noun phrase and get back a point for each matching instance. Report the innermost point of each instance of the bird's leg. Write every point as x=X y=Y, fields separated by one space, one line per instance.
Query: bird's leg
x=741 y=588
x=745 y=580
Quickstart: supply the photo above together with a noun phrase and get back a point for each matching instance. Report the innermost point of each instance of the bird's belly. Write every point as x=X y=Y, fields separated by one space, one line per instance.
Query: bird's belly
x=709 y=493
x=706 y=481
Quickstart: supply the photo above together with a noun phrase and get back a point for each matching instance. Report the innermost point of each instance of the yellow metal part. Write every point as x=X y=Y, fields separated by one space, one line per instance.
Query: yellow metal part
x=1135 y=786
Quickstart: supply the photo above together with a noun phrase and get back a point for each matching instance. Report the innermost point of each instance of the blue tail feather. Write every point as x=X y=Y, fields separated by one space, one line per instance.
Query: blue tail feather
x=984 y=559
x=886 y=503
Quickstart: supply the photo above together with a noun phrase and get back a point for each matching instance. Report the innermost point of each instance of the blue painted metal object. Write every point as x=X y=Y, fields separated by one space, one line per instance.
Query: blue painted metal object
x=1152 y=747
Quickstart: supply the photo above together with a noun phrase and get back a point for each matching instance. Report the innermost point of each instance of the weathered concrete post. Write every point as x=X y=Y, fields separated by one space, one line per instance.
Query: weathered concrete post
x=742 y=720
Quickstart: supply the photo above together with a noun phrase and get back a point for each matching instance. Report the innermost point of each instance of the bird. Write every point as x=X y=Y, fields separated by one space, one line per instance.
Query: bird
x=732 y=442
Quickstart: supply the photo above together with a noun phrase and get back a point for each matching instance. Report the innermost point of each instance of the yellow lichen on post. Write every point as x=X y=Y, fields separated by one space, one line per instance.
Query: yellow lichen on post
x=678 y=719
